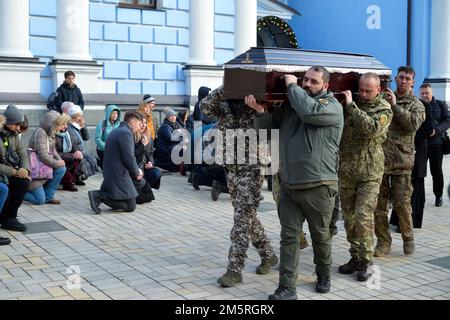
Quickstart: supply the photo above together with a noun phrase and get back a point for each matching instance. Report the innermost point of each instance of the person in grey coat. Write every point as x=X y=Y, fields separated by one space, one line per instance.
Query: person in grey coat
x=119 y=168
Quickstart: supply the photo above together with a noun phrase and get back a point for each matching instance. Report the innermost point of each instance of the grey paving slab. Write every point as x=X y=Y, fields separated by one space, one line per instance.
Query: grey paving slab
x=177 y=249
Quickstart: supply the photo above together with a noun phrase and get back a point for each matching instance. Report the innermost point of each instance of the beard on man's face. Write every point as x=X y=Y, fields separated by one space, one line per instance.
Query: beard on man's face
x=311 y=93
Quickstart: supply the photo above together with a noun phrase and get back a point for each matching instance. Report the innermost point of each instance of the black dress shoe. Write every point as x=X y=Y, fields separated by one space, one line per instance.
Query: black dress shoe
x=438 y=202
x=95 y=201
x=14 y=225
x=80 y=183
x=4 y=241
x=323 y=284
x=284 y=293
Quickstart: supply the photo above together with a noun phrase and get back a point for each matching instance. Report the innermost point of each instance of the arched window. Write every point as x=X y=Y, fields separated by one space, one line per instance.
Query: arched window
x=275 y=32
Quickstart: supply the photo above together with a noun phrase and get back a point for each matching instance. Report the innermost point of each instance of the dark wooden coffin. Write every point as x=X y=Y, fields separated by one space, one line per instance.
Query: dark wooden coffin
x=259 y=71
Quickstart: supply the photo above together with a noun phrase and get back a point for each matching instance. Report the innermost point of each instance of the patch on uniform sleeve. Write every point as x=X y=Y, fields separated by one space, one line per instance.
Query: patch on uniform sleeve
x=324 y=101
x=383 y=119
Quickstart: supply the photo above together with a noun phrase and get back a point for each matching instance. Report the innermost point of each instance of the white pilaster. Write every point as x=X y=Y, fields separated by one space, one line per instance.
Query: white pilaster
x=245 y=25
x=201 y=32
x=14 y=28
x=73 y=30
x=440 y=49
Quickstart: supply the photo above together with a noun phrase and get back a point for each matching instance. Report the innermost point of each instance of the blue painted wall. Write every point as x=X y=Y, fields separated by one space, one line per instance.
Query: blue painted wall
x=143 y=51
x=341 y=25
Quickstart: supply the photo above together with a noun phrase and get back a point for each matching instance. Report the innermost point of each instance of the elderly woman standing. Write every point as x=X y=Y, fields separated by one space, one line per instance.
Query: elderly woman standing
x=43 y=142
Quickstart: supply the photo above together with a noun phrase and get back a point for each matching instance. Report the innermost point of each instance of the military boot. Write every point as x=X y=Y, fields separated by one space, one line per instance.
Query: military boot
x=349 y=267
x=408 y=247
x=284 y=293
x=381 y=249
x=266 y=264
x=216 y=190
x=303 y=243
x=323 y=283
x=230 y=279
x=364 y=271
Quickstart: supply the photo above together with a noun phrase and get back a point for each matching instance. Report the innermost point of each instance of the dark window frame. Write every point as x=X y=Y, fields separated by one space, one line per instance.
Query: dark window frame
x=136 y=5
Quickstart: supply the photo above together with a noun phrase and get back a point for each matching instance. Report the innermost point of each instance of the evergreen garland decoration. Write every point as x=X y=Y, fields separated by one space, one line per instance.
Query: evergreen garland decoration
x=264 y=23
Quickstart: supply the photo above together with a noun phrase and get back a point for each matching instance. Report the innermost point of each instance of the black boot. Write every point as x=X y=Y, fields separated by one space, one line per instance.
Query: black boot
x=364 y=271
x=438 y=202
x=284 y=293
x=349 y=267
x=13 y=224
x=216 y=190
x=323 y=284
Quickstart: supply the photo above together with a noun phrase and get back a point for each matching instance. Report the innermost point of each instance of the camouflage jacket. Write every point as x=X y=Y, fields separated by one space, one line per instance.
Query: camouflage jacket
x=361 y=155
x=409 y=113
x=232 y=116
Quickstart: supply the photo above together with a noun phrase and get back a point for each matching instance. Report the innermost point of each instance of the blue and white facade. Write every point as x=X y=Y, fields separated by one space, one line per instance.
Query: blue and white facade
x=400 y=32
x=168 y=52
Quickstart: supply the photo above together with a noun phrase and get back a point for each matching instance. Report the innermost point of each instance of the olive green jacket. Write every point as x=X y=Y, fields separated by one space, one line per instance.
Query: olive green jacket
x=310 y=133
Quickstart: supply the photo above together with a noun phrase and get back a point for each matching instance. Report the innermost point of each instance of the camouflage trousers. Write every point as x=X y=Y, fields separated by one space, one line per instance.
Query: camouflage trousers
x=398 y=189
x=359 y=201
x=245 y=189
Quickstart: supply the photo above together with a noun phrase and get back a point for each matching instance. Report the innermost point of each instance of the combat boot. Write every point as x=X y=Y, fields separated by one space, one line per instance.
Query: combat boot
x=364 y=271
x=409 y=247
x=323 y=284
x=303 y=243
x=230 y=279
x=284 y=293
x=349 y=267
x=381 y=250
x=216 y=190
x=266 y=264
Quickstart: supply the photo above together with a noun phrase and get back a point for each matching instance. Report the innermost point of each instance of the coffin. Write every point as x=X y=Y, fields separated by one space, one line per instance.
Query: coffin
x=259 y=71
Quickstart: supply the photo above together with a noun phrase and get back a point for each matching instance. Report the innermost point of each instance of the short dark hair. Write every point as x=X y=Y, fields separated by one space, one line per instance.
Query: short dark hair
x=425 y=85
x=407 y=70
x=325 y=73
x=131 y=114
x=69 y=73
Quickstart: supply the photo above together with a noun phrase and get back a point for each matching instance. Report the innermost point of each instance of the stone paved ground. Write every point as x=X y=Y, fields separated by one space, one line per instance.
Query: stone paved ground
x=176 y=248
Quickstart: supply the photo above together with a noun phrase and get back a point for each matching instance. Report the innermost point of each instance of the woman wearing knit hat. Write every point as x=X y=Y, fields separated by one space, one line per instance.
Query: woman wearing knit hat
x=14 y=168
x=146 y=107
x=164 y=143
x=43 y=142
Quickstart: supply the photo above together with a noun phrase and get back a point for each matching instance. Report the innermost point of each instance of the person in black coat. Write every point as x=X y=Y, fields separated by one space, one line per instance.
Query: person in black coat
x=440 y=118
x=198 y=114
x=68 y=91
x=118 y=190
x=164 y=143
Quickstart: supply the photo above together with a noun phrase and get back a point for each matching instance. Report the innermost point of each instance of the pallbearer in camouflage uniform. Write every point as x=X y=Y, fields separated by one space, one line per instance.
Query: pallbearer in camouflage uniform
x=244 y=183
x=409 y=113
x=361 y=168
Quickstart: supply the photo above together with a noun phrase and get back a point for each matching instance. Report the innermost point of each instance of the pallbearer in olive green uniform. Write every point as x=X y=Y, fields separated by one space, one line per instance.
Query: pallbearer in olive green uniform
x=409 y=113
x=361 y=168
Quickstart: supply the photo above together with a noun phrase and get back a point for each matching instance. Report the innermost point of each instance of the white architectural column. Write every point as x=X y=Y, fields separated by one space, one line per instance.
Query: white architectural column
x=440 y=49
x=202 y=69
x=245 y=25
x=73 y=30
x=14 y=28
x=201 y=32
